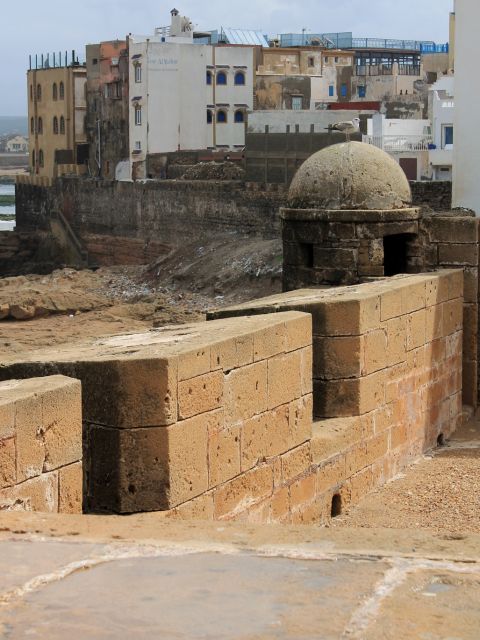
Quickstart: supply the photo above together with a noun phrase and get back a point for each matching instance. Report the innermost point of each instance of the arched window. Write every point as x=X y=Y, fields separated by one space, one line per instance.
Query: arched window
x=39 y=91
x=32 y=125
x=222 y=78
x=62 y=125
x=55 y=91
x=62 y=91
x=239 y=116
x=138 y=73
x=31 y=92
x=40 y=125
x=209 y=116
x=41 y=160
x=221 y=116
x=55 y=124
x=240 y=78
x=33 y=158
x=209 y=77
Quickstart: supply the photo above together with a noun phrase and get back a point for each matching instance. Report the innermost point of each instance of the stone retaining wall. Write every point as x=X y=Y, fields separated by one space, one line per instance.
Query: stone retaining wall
x=41 y=445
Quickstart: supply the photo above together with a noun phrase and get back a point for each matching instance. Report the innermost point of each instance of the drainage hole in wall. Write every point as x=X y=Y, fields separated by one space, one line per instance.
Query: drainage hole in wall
x=336 y=505
x=441 y=440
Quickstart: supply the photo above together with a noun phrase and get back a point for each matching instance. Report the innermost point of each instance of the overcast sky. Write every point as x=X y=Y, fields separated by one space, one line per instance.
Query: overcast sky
x=36 y=26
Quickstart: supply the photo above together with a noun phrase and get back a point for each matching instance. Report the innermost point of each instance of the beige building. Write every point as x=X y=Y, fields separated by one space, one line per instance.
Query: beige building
x=18 y=144
x=56 y=117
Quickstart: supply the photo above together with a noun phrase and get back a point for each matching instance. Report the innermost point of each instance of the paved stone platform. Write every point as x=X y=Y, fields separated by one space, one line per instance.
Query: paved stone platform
x=231 y=582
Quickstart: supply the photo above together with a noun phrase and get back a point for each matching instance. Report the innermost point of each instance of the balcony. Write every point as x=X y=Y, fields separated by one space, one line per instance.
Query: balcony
x=399 y=144
x=441 y=157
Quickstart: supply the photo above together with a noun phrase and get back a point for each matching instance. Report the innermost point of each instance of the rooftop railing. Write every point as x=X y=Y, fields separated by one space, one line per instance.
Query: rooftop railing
x=400 y=143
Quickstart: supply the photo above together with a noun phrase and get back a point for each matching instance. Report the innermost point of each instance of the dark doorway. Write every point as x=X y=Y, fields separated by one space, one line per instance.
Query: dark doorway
x=336 y=506
x=395 y=253
x=409 y=165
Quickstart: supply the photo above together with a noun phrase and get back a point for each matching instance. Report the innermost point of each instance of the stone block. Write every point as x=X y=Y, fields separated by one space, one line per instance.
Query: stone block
x=352 y=397
x=194 y=363
x=434 y=322
x=247 y=489
x=296 y=462
x=456 y=230
x=62 y=425
x=223 y=356
x=201 y=394
x=416 y=329
x=396 y=340
x=452 y=316
x=470 y=289
x=300 y=413
x=38 y=494
x=337 y=357
x=302 y=491
x=246 y=392
x=391 y=305
x=375 y=351
x=7 y=419
x=29 y=439
x=453 y=254
x=414 y=296
x=280 y=505
x=298 y=333
x=70 y=489
x=335 y=258
x=224 y=455
x=284 y=379
x=269 y=342
x=267 y=436
x=306 y=370
x=330 y=475
x=200 y=508
x=8 y=474
x=347 y=317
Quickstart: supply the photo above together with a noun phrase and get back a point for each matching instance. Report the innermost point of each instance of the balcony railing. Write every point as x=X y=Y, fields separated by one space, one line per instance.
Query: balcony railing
x=400 y=143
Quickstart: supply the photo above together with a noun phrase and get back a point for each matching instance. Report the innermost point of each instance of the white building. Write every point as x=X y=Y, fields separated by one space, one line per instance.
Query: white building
x=18 y=144
x=407 y=141
x=466 y=152
x=442 y=108
x=186 y=96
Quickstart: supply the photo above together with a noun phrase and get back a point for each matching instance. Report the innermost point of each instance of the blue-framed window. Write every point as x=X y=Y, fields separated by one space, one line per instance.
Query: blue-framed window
x=221 y=116
x=209 y=116
x=331 y=91
x=222 y=78
x=209 y=77
x=343 y=90
x=362 y=91
x=240 y=78
x=239 y=117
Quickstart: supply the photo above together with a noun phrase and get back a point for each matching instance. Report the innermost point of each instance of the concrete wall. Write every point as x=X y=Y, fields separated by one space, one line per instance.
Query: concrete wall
x=466 y=185
x=41 y=445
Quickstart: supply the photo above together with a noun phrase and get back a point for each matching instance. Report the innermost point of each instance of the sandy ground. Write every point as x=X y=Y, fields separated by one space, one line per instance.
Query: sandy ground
x=69 y=306
x=440 y=493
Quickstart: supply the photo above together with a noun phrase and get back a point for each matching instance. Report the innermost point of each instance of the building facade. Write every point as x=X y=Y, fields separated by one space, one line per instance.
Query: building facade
x=18 y=144
x=57 y=106
x=442 y=108
x=185 y=96
x=107 y=106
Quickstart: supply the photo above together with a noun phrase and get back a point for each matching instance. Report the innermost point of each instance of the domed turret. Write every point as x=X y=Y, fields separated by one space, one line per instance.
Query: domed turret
x=350 y=176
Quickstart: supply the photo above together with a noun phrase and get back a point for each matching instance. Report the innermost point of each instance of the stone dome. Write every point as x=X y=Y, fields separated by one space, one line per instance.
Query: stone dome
x=350 y=175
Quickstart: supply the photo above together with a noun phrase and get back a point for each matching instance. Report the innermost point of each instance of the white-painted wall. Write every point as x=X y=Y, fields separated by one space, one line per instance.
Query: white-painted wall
x=174 y=95
x=443 y=114
x=466 y=151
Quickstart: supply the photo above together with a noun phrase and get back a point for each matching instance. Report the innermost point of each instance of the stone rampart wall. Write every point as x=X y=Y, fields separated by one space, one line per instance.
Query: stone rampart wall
x=41 y=445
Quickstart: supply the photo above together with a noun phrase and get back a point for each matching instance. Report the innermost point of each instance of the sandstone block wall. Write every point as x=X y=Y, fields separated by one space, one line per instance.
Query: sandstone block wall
x=41 y=445
x=190 y=411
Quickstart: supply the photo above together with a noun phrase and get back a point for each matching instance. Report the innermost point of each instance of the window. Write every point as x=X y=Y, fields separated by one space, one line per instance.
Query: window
x=31 y=92
x=240 y=79
x=94 y=61
x=33 y=159
x=222 y=116
x=326 y=59
x=55 y=91
x=41 y=160
x=311 y=61
x=343 y=90
x=209 y=77
x=32 y=125
x=138 y=73
x=209 y=116
x=331 y=91
x=55 y=124
x=297 y=103
x=40 y=125
x=138 y=116
x=62 y=125
x=62 y=91
x=336 y=59
x=138 y=145
x=447 y=135
x=221 y=78
x=362 y=91
x=39 y=91
x=239 y=117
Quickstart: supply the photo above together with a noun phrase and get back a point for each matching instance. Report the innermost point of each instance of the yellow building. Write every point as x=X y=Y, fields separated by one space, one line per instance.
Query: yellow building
x=56 y=116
